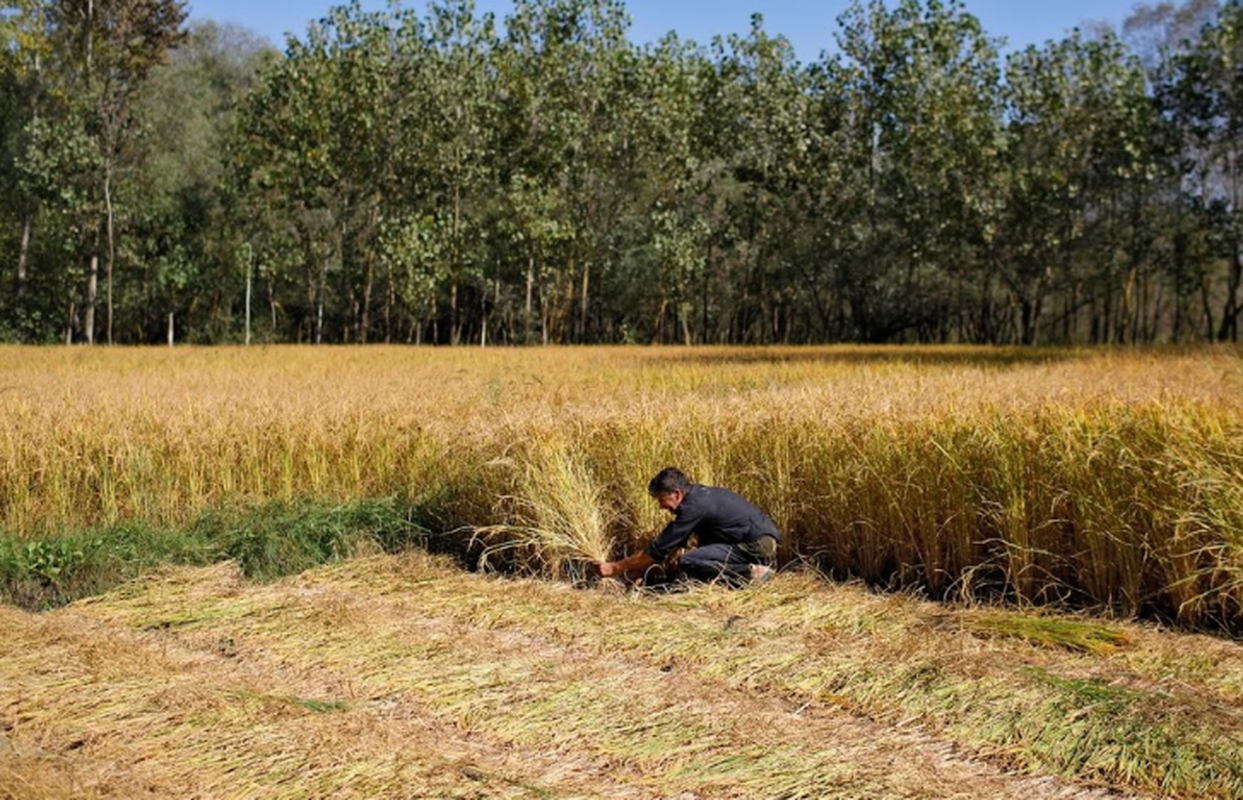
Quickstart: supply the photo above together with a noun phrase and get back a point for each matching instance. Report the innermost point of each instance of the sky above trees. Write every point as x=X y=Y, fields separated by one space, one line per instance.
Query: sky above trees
x=808 y=24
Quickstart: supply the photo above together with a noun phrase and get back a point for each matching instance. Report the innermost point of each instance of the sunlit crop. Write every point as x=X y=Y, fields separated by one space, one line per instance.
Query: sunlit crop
x=1106 y=479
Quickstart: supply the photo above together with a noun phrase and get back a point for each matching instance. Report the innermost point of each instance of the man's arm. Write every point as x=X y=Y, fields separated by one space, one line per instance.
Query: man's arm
x=633 y=566
x=674 y=535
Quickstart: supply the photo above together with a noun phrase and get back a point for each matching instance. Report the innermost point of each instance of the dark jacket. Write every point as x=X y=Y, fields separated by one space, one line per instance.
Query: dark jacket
x=715 y=515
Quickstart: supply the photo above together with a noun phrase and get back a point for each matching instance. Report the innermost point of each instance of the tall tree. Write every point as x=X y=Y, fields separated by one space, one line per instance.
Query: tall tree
x=922 y=101
x=1206 y=92
x=460 y=117
x=184 y=240
x=563 y=63
x=26 y=44
x=113 y=45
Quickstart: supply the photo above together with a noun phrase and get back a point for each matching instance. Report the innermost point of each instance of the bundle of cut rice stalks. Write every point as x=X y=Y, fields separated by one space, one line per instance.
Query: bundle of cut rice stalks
x=557 y=525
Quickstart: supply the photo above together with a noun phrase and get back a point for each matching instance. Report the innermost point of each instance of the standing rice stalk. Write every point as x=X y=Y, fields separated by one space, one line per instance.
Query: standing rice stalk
x=1099 y=479
x=559 y=519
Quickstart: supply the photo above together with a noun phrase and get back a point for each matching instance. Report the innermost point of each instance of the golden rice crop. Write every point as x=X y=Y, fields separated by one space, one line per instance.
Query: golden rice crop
x=1110 y=479
x=561 y=517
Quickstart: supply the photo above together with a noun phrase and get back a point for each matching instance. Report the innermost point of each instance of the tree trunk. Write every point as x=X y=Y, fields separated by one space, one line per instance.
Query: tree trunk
x=526 y=320
x=1229 y=330
x=272 y=305
x=110 y=217
x=92 y=289
x=249 y=288
x=543 y=316
x=704 y=298
x=483 y=309
x=1154 y=310
x=658 y=326
x=22 y=260
x=319 y=301
x=365 y=324
x=496 y=304
x=1128 y=314
x=1111 y=313
x=582 y=314
x=454 y=329
x=171 y=329
x=1150 y=308
x=388 y=305
x=1208 y=308
x=1177 y=332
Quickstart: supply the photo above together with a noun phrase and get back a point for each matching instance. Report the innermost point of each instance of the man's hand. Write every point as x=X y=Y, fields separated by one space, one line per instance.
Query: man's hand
x=606 y=569
x=634 y=566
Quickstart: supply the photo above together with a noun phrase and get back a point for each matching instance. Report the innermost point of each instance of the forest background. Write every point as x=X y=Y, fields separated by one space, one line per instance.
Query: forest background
x=448 y=177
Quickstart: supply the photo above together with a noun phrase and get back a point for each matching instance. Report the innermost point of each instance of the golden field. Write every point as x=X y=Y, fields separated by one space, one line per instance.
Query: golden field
x=1108 y=482
x=1107 y=479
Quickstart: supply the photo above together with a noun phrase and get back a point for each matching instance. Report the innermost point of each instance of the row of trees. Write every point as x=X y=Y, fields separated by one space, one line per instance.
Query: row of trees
x=439 y=177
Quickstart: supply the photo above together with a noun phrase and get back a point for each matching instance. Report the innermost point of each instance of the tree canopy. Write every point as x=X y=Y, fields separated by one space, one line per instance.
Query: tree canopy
x=444 y=176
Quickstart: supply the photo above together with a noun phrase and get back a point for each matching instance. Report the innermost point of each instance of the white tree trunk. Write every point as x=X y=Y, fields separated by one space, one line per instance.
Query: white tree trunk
x=92 y=289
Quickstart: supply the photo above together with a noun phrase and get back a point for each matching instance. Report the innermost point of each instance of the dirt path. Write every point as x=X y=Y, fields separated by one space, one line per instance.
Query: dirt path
x=366 y=680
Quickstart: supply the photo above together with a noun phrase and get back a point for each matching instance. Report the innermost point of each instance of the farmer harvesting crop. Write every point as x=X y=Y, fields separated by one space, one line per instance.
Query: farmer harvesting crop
x=736 y=540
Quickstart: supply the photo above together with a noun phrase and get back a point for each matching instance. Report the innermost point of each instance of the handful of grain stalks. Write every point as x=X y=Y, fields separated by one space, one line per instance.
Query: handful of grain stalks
x=561 y=520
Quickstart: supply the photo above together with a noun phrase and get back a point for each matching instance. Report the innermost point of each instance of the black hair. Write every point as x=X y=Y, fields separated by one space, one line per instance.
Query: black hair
x=668 y=481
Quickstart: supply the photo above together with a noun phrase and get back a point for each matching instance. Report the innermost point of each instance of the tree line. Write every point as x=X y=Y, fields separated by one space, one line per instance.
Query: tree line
x=447 y=177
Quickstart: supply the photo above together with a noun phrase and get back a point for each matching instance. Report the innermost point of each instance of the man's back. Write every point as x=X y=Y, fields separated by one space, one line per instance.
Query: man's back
x=716 y=516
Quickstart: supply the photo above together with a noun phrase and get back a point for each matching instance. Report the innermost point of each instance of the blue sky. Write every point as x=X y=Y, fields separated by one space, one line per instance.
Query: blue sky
x=808 y=24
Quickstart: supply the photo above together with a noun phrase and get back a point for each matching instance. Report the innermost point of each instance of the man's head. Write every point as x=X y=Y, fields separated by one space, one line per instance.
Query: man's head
x=669 y=487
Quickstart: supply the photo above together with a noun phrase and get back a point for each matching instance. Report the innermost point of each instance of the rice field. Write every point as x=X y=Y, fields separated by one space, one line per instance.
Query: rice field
x=1051 y=533
x=1109 y=480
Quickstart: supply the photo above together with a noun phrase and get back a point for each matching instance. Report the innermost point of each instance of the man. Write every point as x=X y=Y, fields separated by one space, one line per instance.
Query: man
x=736 y=540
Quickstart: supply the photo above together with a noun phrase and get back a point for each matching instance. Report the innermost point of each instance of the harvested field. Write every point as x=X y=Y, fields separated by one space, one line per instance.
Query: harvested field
x=1047 y=499
x=406 y=677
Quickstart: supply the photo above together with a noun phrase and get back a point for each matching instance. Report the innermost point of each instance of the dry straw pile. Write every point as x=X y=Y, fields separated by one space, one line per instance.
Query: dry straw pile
x=1105 y=479
x=405 y=677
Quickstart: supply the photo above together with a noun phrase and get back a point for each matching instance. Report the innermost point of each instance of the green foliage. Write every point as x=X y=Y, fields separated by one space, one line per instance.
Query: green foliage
x=441 y=177
x=56 y=570
x=285 y=538
x=47 y=561
x=916 y=104
x=267 y=541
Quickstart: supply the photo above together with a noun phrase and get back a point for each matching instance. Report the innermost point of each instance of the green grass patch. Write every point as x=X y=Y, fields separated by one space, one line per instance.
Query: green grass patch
x=267 y=541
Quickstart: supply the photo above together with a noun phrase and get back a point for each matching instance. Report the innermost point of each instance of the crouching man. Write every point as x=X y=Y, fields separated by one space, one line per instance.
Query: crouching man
x=737 y=542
